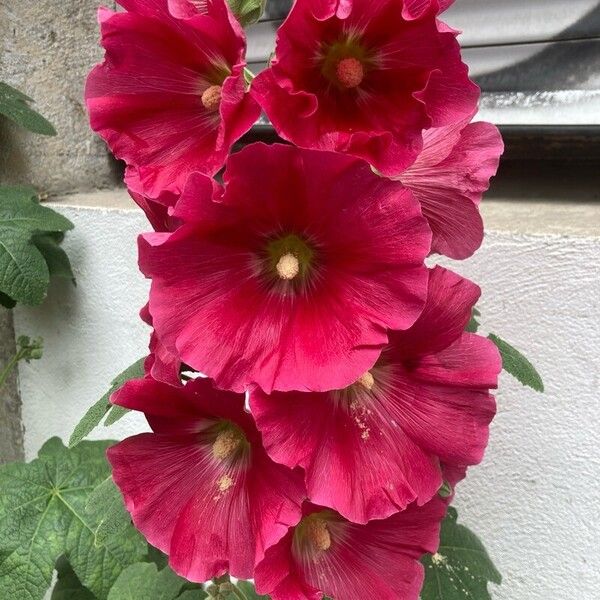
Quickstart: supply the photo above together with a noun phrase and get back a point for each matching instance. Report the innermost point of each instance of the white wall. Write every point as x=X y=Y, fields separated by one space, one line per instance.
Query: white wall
x=535 y=500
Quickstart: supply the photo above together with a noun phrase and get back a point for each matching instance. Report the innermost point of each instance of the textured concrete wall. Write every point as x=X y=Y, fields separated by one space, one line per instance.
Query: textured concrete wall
x=11 y=430
x=535 y=498
x=46 y=49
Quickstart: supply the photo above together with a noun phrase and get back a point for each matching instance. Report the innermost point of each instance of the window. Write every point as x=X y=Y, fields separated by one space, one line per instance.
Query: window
x=538 y=64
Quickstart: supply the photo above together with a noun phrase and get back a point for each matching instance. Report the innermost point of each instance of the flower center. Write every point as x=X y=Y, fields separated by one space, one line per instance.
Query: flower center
x=350 y=72
x=317 y=533
x=366 y=380
x=226 y=443
x=211 y=98
x=288 y=266
x=289 y=257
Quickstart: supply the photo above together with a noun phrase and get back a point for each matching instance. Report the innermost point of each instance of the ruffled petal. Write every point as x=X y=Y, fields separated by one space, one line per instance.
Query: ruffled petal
x=213 y=509
x=145 y=100
x=450 y=301
x=377 y=560
x=411 y=77
x=449 y=178
x=356 y=460
x=367 y=238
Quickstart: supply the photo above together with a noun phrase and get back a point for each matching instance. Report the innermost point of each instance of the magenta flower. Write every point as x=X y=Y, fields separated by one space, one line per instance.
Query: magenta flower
x=156 y=209
x=160 y=364
x=413 y=9
x=200 y=487
x=184 y=9
x=170 y=97
x=327 y=555
x=373 y=448
x=449 y=178
x=365 y=77
x=290 y=279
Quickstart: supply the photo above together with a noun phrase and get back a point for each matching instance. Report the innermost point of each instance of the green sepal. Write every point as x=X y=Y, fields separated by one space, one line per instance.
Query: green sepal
x=247 y=12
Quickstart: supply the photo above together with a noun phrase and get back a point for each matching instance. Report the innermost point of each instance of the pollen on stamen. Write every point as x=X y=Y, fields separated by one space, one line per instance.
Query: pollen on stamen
x=211 y=98
x=366 y=380
x=350 y=72
x=288 y=267
x=224 y=483
x=226 y=444
x=318 y=534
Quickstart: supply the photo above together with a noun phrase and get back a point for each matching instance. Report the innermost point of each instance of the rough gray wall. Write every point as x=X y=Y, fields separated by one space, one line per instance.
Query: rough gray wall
x=46 y=49
x=11 y=430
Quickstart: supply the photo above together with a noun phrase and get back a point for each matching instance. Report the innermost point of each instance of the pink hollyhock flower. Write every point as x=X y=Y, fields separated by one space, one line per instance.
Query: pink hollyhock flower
x=156 y=209
x=365 y=78
x=160 y=364
x=290 y=279
x=449 y=178
x=413 y=9
x=327 y=555
x=200 y=487
x=170 y=97
x=373 y=448
x=184 y=9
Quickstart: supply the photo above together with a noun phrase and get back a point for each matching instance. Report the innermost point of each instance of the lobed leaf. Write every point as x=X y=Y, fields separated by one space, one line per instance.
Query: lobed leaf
x=106 y=504
x=461 y=568
x=19 y=209
x=42 y=518
x=24 y=274
x=143 y=581
x=68 y=586
x=56 y=258
x=24 y=269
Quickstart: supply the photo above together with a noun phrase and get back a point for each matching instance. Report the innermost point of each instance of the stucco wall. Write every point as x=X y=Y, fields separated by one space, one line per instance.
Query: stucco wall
x=535 y=500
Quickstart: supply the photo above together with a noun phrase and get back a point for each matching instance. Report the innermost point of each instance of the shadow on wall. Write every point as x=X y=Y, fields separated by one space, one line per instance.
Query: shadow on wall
x=569 y=62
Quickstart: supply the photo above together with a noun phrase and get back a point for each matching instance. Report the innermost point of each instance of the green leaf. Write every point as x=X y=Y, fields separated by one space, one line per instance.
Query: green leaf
x=106 y=504
x=473 y=325
x=115 y=414
x=15 y=106
x=517 y=365
x=42 y=518
x=193 y=595
x=461 y=568
x=68 y=587
x=24 y=274
x=19 y=209
x=56 y=258
x=96 y=412
x=248 y=590
x=445 y=491
x=247 y=11
x=160 y=559
x=143 y=581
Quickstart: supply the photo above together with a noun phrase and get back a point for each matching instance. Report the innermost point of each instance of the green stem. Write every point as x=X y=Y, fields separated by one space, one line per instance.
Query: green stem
x=10 y=366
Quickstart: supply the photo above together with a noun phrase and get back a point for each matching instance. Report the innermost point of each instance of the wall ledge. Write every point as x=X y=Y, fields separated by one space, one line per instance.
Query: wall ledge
x=523 y=217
